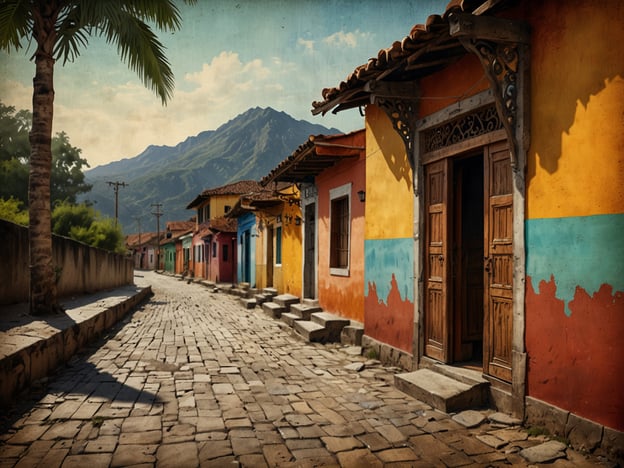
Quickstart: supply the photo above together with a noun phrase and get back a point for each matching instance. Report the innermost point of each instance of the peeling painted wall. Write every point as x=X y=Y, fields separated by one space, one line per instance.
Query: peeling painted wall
x=575 y=210
x=389 y=244
x=338 y=294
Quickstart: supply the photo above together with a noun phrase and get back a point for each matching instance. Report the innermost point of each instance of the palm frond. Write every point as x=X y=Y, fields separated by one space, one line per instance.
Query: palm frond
x=139 y=47
x=15 y=23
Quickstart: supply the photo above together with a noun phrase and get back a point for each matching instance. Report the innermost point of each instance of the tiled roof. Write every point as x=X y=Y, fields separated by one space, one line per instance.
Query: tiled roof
x=318 y=153
x=236 y=188
x=426 y=49
x=132 y=240
x=180 y=227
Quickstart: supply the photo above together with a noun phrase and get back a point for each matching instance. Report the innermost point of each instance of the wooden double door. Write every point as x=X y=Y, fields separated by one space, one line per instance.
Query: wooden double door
x=469 y=260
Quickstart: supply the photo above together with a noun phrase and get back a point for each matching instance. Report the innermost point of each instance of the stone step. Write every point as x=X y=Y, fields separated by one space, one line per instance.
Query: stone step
x=248 y=303
x=310 y=302
x=304 y=310
x=270 y=292
x=333 y=323
x=352 y=334
x=290 y=318
x=311 y=331
x=442 y=392
x=261 y=299
x=285 y=300
x=273 y=309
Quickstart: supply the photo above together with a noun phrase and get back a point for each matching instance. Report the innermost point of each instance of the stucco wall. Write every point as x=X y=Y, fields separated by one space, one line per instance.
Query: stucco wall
x=389 y=245
x=575 y=210
x=82 y=269
x=342 y=295
x=292 y=257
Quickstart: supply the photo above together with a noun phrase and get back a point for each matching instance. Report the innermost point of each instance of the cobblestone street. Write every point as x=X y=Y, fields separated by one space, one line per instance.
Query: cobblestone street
x=194 y=379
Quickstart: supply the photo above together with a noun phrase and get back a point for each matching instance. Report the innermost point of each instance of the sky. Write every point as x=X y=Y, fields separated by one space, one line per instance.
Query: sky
x=228 y=56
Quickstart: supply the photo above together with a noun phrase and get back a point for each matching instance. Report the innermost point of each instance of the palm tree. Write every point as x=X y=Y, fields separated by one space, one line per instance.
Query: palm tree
x=59 y=29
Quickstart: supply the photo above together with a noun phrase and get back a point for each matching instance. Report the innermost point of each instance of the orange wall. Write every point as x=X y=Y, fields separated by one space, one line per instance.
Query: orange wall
x=463 y=79
x=342 y=295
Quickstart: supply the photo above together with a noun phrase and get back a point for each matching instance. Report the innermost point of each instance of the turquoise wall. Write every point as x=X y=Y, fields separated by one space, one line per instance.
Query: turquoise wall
x=583 y=251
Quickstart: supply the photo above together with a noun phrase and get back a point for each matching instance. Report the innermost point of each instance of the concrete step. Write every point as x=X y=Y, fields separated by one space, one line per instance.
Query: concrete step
x=304 y=310
x=311 y=331
x=248 y=303
x=290 y=318
x=333 y=323
x=273 y=309
x=442 y=392
x=352 y=334
x=286 y=300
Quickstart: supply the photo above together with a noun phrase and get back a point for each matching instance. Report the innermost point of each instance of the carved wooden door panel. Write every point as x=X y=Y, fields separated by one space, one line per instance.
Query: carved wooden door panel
x=498 y=263
x=437 y=261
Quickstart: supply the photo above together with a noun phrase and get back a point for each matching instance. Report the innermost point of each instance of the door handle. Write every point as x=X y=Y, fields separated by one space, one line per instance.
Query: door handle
x=441 y=258
x=487 y=264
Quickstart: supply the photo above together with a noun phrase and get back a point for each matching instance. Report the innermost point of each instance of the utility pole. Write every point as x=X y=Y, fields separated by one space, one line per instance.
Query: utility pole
x=116 y=186
x=158 y=214
x=138 y=220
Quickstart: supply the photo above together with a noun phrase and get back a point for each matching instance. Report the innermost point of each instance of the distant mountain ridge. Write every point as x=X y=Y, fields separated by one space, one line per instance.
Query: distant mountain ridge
x=244 y=148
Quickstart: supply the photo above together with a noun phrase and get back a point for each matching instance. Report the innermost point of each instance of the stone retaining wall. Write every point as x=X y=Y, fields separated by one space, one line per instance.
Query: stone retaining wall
x=82 y=269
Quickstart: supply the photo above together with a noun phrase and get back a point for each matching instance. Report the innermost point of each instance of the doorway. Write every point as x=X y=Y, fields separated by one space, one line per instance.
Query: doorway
x=309 y=259
x=467 y=298
x=469 y=260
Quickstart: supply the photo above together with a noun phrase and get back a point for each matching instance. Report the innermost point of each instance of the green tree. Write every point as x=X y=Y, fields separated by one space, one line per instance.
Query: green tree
x=11 y=210
x=67 y=179
x=84 y=224
x=58 y=29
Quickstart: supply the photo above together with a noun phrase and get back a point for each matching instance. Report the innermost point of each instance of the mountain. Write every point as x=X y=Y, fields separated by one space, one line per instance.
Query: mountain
x=245 y=148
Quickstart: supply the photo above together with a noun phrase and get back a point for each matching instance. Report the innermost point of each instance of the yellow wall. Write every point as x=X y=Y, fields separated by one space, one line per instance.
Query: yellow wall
x=389 y=204
x=576 y=159
x=291 y=249
x=218 y=203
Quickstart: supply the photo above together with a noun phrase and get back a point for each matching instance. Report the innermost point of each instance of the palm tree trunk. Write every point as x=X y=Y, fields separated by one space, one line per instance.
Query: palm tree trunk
x=43 y=291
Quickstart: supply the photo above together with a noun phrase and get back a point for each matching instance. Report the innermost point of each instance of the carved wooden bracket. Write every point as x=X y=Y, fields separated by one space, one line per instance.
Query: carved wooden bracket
x=400 y=103
x=502 y=47
x=403 y=114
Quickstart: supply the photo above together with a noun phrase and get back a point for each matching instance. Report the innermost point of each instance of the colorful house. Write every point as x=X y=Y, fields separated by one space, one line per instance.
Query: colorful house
x=173 y=258
x=213 y=255
x=495 y=129
x=331 y=171
x=269 y=238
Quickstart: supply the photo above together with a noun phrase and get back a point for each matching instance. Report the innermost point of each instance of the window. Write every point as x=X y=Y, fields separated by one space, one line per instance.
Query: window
x=278 y=245
x=214 y=249
x=227 y=208
x=340 y=218
x=224 y=251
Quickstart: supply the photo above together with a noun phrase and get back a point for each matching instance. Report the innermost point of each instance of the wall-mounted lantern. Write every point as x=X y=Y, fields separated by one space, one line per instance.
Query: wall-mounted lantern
x=362 y=195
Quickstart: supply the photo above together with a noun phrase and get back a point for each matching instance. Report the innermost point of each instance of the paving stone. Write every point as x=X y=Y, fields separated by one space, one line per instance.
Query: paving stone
x=469 y=418
x=141 y=438
x=358 y=458
x=127 y=455
x=100 y=460
x=404 y=454
x=503 y=418
x=214 y=449
x=340 y=444
x=28 y=434
x=277 y=454
x=105 y=444
x=245 y=445
x=544 y=453
x=141 y=424
x=491 y=440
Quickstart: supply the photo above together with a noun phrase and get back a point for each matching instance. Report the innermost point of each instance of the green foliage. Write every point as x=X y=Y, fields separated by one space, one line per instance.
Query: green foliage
x=67 y=178
x=11 y=211
x=84 y=224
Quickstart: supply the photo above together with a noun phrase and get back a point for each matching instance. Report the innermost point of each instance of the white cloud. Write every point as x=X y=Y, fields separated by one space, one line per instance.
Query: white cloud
x=345 y=39
x=306 y=44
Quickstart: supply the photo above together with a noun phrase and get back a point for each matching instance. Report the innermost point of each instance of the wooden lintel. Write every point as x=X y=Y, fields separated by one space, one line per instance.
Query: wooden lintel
x=488 y=28
x=387 y=89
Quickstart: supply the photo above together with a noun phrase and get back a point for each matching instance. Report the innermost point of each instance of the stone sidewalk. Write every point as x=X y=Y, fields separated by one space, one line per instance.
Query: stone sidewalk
x=191 y=378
